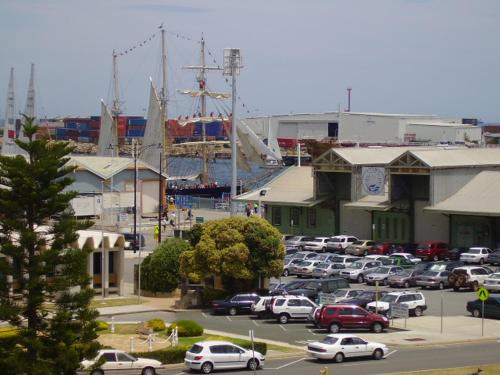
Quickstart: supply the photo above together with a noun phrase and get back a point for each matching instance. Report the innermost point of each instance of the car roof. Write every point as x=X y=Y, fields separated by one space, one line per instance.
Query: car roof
x=213 y=342
x=341 y=335
x=110 y=351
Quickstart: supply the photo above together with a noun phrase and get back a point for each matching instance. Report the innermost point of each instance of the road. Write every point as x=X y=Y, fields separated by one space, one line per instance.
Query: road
x=406 y=359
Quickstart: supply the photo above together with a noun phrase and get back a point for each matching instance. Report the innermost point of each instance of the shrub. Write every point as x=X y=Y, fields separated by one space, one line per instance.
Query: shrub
x=166 y=356
x=258 y=346
x=210 y=294
x=156 y=325
x=6 y=332
x=101 y=325
x=186 y=328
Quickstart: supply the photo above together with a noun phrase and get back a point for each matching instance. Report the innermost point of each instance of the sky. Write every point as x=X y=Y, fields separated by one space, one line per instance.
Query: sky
x=399 y=56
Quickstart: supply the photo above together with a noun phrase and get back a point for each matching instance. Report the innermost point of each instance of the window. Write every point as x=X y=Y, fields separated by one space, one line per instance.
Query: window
x=330 y=311
x=276 y=215
x=293 y=302
x=347 y=341
x=358 y=312
x=124 y=357
x=218 y=349
x=229 y=349
x=109 y=357
x=279 y=302
x=311 y=217
x=306 y=303
x=196 y=349
x=347 y=311
x=358 y=341
x=294 y=216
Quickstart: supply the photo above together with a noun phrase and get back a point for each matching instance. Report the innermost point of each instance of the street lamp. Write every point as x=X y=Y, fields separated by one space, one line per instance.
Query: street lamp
x=262 y=193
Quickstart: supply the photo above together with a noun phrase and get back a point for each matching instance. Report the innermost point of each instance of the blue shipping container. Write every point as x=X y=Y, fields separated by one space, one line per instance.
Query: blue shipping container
x=213 y=129
x=135 y=133
x=60 y=132
x=137 y=121
x=72 y=125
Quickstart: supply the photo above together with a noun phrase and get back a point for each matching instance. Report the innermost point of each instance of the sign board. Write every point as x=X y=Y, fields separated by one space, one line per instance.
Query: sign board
x=199 y=220
x=483 y=294
x=400 y=311
x=123 y=217
x=373 y=180
x=326 y=299
x=183 y=201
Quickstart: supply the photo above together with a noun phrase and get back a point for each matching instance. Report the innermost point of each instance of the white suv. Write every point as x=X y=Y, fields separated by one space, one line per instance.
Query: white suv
x=476 y=255
x=415 y=301
x=340 y=242
x=286 y=308
x=471 y=277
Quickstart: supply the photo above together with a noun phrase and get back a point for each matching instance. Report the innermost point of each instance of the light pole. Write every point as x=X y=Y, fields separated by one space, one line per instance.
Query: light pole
x=262 y=193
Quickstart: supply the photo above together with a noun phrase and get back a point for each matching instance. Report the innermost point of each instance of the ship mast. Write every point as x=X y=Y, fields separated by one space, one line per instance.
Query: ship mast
x=163 y=101
x=116 y=110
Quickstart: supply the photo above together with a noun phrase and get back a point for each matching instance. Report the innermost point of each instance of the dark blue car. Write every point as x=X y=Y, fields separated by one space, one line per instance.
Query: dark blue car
x=238 y=304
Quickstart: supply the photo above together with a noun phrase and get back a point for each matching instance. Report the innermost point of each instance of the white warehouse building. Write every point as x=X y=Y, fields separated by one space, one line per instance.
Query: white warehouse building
x=374 y=128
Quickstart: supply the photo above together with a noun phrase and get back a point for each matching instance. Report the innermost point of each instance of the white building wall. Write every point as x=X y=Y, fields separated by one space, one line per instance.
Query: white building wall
x=445 y=133
x=430 y=226
x=366 y=128
x=355 y=222
x=446 y=182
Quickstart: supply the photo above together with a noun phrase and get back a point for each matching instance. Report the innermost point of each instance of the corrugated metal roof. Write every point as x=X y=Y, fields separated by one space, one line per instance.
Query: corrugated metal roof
x=370 y=155
x=293 y=186
x=106 y=167
x=461 y=157
x=481 y=196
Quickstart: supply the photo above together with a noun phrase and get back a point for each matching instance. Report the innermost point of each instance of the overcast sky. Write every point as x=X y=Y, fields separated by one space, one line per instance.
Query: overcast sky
x=399 y=56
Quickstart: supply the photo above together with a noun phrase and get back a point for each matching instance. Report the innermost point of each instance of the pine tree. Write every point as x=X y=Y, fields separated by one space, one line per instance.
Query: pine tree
x=35 y=253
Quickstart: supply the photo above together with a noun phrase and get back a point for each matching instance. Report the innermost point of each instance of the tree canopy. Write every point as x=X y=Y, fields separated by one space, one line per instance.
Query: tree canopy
x=239 y=248
x=160 y=270
x=38 y=264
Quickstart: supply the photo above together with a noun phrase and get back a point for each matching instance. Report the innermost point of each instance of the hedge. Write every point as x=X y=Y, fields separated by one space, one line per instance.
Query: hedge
x=186 y=328
x=156 y=325
x=258 y=346
x=210 y=294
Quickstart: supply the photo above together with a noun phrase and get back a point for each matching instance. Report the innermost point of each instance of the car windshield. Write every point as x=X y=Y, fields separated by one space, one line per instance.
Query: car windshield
x=307 y=239
x=382 y=270
x=305 y=264
x=196 y=349
x=423 y=247
x=389 y=298
x=322 y=257
x=335 y=239
x=358 y=242
x=337 y=260
x=404 y=273
x=340 y=293
x=474 y=251
x=495 y=276
x=323 y=265
x=438 y=267
x=431 y=273
x=357 y=265
x=312 y=285
x=329 y=340
x=294 y=238
x=317 y=240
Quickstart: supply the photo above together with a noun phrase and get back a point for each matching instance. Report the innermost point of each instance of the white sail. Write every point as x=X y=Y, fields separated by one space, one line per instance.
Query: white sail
x=9 y=147
x=108 y=134
x=272 y=139
x=30 y=99
x=253 y=147
x=154 y=133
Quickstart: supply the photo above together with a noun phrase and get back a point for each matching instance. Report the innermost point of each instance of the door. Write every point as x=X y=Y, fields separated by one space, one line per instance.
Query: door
x=349 y=348
x=110 y=361
x=233 y=357
x=346 y=317
x=307 y=307
x=218 y=356
x=360 y=318
x=361 y=347
x=333 y=129
x=295 y=308
x=125 y=363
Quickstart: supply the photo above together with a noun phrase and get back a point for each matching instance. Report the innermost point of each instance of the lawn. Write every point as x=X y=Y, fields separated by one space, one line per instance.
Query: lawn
x=486 y=370
x=113 y=302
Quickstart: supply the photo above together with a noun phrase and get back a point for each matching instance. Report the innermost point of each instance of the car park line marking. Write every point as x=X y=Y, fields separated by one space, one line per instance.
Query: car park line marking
x=228 y=318
x=254 y=322
x=283 y=328
x=315 y=334
x=287 y=364
x=205 y=316
x=391 y=353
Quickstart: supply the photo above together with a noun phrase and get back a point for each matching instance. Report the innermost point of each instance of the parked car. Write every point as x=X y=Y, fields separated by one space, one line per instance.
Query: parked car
x=325 y=257
x=454 y=254
x=339 y=243
x=399 y=262
x=381 y=274
x=423 y=266
x=341 y=295
x=445 y=266
x=288 y=268
x=305 y=268
x=360 y=247
x=239 y=303
x=382 y=248
x=434 y=279
x=494 y=257
x=118 y=360
x=304 y=255
x=415 y=301
x=286 y=287
x=347 y=316
x=327 y=269
x=259 y=307
x=359 y=269
x=292 y=307
x=408 y=256
x=405 y=278
x=344 y=259
x=290 y=250
x=492 y=283
x=380 y=258
x=471 y=277
x=491 y=307
x=314 y=287
x=431 y=250
x=476 y=255
x=338 y=347
x=130 y=244
x=317 y=244
x=206 y=356
x=366 y=297
x=294 y=241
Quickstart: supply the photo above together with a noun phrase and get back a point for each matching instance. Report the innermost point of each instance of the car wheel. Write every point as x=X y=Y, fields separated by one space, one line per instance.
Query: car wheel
x=435 y=258
x=481 y=261
x=456 y=288
x=476 y=313
x=417 y=311
x=339 y=357
x=378 y=354
x=233 y=311
x=334 y=328
x=97 y=372
x=286 y=273
x=253 y=364
x=360 y=279
x=441 y=285
x=148 y=371
x=283 y=318
x=206 y=368
x=377 y=327
x=407 y=284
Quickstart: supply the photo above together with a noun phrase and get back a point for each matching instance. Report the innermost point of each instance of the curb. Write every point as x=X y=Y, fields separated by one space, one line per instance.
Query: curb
x=137 y=312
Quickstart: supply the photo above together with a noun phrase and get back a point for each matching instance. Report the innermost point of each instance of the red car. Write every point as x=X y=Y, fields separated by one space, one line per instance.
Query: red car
x=380 y=249
x=339 y=316
x=431 y=250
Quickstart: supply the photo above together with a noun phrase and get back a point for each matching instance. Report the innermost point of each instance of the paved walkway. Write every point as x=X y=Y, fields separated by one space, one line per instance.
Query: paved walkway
x=147 y=304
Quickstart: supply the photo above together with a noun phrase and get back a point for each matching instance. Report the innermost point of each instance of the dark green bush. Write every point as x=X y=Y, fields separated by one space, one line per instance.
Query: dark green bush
x=166 y=356
x=156 y=325
x=258 y=346
x=210 y=294
x=186 y=328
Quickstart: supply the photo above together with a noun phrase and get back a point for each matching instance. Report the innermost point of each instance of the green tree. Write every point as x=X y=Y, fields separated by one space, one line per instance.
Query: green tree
x=238 y=249
x=35 y=242
x=160 y=270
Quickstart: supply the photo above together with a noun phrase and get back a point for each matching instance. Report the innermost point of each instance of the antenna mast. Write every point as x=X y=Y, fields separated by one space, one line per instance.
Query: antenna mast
x=163 y=100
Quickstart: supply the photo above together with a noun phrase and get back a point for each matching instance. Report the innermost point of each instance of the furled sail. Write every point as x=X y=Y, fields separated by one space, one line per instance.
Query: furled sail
x=153 y=134
x=254 y=149
x=108 y=134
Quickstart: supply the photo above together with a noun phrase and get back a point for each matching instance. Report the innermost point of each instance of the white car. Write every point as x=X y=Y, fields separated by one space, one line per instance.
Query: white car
x=412 y=258
x=415 y=301
x=316 y=244
x=306 y=267
x=259 y=307
x=492 y=283
x=340 y=242
x=206 y=356
x=476 y=255
x=285 y=308
x=119 y=360
x=340 y=346
x=376 y=257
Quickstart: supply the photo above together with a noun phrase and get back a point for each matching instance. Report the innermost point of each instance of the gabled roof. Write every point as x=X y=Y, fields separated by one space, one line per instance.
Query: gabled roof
x=456 y=157
x=294 y=186
x=355 y=156
x=106 y=167
x=480 y=196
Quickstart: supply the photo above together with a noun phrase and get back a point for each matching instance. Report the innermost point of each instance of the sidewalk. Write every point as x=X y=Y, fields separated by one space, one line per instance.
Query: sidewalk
x=147 y=304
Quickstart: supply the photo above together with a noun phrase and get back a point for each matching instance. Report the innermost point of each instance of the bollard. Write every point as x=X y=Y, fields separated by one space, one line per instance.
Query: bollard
x=112 y=324
x=323 y=371
x=150 y=342
x=132 y=344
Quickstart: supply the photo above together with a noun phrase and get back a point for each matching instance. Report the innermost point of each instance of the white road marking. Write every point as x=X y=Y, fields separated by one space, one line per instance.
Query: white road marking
x=283 y=328
x=391 y=353
x=311 y=331
x=254 y=322
x=180 y=373
x=228 y=318
x=291 y=363
x=205 y=316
